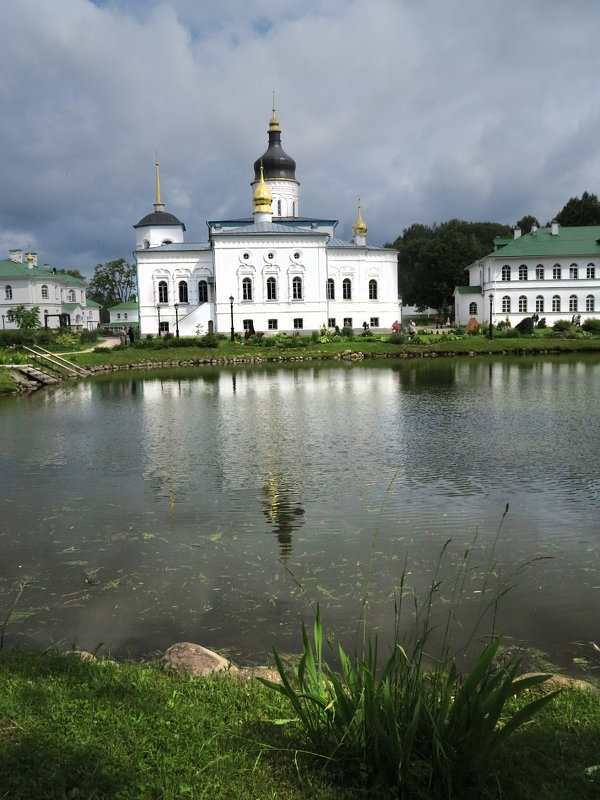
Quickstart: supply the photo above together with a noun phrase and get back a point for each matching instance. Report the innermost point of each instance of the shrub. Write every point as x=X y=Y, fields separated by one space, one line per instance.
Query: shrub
x=315 y=336
x=591 y=326
x=88 y=336
x=397 y=338
x=512 y=333
x=65 y=339
x=348 y=333
x=525 y=326
x=209 y=340
x=542 y=323
x=562 y=325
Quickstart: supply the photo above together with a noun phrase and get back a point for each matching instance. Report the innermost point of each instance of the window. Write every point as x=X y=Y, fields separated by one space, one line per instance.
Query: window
x=71 y=296
x=589 y=303
x=8 y=292
x=590 y=271
x=539 y=273
x=523 y=304
x=124 y=316
x=506 y=273
x=163 y=292
x=164 y=327
x=347 y=322
x=248 y=324
x=374 y=322
x=573 y=302
x=247 y=289
x=272 y=324
x=118 y=316
x=246 y=256
x=556 y=272
x=271 y=289
x=472 y=308
x=331 y=322
x=271 y=255
x=556 y=303
x=297 y=288
x=279 y=208
x=523 y=273
x=45 y=294
x=298 y=323
x=573 y=272
x=506 y=304
x=539 y=304
x=330 y=288
x=183 y=292
x=347 y=289
x=372 y=290
x=202 y=292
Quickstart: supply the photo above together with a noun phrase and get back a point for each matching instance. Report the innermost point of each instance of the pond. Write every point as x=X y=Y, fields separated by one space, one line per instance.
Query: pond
x=214 y=505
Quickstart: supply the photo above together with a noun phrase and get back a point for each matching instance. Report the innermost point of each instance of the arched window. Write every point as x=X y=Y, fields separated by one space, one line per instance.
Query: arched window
x=330 y=289
x=71 y=296
x=556 y=303
x=45 y=294
x=506 y=273
x=590 y=271
x=523 y=304
x=589 y=303
x=347 y=289
x=202 y=292
x=573 y=272
x=372 y=289
x=556 y=272
x=247 y=289
x=167 y=241
x=539 y=272
x=297 y=288
x=573 y=302
x=163 y=292
x=183 y=292
x=472 y=309
x=146 y=244
x=506 y=304
x=523 y=273
x=8 y=292
x=271 y=289
x=539 y=304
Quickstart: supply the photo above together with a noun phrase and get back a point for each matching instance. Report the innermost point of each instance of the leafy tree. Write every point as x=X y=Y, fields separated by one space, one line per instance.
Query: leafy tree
x=113 y=283
x=526 y=223
x=584 y=211
x=432 y=260
x=24 y=318
x=74 y=273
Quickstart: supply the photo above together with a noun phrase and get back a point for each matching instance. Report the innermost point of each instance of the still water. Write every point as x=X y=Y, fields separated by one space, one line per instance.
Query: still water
x=213 y=505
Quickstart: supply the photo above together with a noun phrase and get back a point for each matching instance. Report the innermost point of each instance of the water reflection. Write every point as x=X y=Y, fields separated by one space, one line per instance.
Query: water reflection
x=283 y=512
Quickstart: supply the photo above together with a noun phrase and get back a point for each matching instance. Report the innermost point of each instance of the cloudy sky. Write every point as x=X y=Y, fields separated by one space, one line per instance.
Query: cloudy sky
x=427 y=109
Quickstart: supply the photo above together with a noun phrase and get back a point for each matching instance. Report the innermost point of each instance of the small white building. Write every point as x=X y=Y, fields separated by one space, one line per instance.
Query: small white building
x=124 y=314
x=553 y=272
x=274 y=271
x=60 y=297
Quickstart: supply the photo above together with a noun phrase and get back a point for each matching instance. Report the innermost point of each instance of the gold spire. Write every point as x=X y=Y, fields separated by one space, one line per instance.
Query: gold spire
x=359 y=228
x=262 y=197
x=274 y=123
x=159 y=202
x=29 y=256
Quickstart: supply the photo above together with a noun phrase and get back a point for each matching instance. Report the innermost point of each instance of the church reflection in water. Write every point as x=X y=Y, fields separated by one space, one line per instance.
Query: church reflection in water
x=283 y=511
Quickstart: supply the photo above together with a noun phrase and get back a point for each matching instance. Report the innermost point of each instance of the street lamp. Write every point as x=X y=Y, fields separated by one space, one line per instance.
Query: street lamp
x=158 y=312
x=491 y=333
x=177 y=320
x=231 y=305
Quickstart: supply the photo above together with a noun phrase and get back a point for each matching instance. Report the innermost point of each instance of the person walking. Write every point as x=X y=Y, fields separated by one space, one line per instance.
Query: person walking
x=131 y=334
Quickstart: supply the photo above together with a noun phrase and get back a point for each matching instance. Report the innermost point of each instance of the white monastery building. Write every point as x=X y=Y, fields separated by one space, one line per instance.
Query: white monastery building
x=274 y=271
x=61 y=298
x=553 y=272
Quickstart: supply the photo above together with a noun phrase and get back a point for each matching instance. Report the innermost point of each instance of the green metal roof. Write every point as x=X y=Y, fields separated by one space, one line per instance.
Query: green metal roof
x=17 y=269
x=92 y=304
x=131 y=305
x=69 y=306
x=572 y=241
x=468 y=289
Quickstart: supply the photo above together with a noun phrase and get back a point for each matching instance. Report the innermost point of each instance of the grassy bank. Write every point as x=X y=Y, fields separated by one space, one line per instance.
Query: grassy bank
x=71 y=728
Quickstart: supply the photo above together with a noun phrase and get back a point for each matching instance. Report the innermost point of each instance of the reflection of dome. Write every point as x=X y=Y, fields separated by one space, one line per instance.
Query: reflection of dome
x=276 y=163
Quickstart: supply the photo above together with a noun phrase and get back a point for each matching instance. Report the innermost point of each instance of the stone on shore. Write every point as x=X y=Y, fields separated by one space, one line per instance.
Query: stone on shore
x=194 y=659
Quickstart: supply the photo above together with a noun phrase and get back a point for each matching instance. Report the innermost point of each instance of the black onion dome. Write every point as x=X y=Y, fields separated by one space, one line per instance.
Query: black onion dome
x=276 y=162
x=158 y=218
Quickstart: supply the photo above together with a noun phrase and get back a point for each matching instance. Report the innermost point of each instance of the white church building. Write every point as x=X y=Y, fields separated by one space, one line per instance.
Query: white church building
x=273 y=271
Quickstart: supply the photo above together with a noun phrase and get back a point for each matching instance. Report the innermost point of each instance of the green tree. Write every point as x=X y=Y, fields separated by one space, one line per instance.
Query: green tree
x=113 y=283
x=24 y=318
x=526 y=223
x=432 y=260
x=584 y=211
x=74 y=273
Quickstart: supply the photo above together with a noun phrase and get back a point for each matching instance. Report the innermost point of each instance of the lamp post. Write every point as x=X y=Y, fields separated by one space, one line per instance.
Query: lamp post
x=491 y=333
x=158 y=312
x=177 y=320
x=231 y=306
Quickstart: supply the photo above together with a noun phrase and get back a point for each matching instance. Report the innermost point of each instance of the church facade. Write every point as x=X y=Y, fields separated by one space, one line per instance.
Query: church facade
x=275 y=271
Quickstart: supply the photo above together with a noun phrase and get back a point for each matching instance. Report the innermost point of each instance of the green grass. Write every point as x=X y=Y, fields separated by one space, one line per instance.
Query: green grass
x=76 y=729
x=7 y=384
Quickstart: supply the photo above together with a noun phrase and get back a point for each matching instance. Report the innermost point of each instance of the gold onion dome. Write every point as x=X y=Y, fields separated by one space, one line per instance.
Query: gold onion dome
x=359 y=228
x=262 y=197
